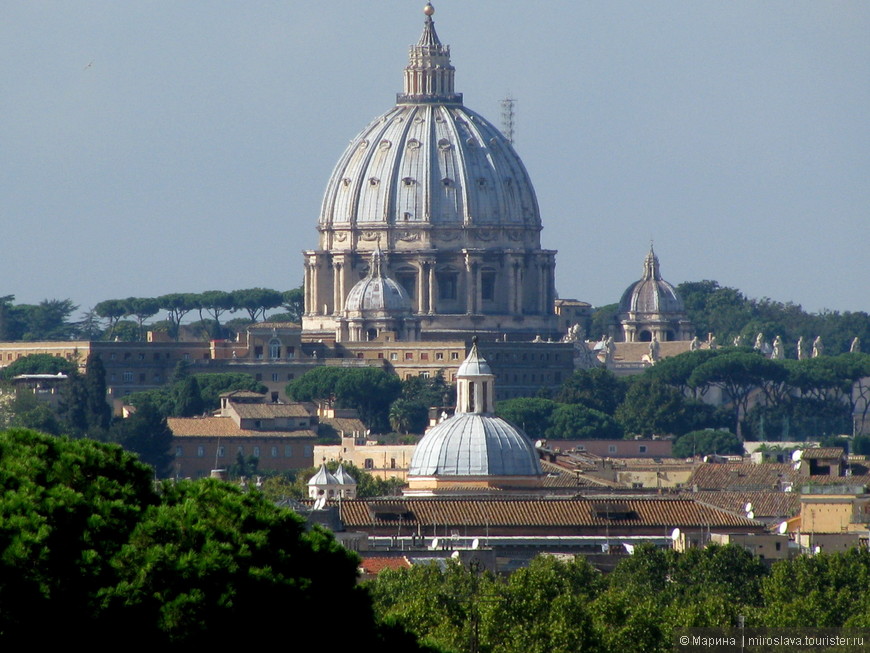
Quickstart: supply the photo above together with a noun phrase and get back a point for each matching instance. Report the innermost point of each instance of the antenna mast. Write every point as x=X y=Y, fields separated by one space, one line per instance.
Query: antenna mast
x=507 y=117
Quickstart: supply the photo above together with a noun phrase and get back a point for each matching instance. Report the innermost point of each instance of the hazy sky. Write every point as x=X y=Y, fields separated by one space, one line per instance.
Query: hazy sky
x=154 y=147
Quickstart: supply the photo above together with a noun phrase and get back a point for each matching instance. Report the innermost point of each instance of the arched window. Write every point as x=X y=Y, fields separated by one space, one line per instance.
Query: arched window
x=274 y=348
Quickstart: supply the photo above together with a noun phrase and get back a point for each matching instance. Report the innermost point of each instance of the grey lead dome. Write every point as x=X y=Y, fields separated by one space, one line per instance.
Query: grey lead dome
x=475 y=445
x=429 y=159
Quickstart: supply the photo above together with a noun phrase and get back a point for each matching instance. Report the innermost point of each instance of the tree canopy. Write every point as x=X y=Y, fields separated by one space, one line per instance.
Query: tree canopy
x=90 y=546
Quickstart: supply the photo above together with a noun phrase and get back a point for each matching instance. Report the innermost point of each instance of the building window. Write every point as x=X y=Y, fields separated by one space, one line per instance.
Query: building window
x=439 y=356
x=240 y=450
x=221 y=451
x=274 y=349
x=258 y=377
x=425 y=375
x=424 y=356
x=141 y=377
x=256 y=452
x=179 y=452
x=454 y=356
x=611 y=448
x=186 y=356
x=258 y=352
x=275 y=376
x=274 y=452
x=394 y=356
x=408 y=279
x=392 y=463
x=369 y=463
x=128 y=377
x=380 y=354
x=409 y=356
x=141 y=357
x=642 y=448
x=288 y=451
x=487 y=285
x=307 y=451
x=291 y=376
x=112 y=356
x=447 y=285
x=200 y=452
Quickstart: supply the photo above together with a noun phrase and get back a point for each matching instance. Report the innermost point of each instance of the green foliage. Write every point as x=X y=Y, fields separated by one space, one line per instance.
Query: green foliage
x=602 y=320
x=577 y=422
x=823 y=591
x=531 y=414
x=88 y=546
x=98 y=411
x=23 y=410
x=68 y=507
x=408 y=416
x=708 y=441
x=256 y=301
x=596 y=388
x=739 y=373
x=211 y=386
x=189 y=402
x=146 y=434
x=727 y=313
x=39 y=364
x=293 y=302
x=653 y=408
x=369 y=390
x=430 y=392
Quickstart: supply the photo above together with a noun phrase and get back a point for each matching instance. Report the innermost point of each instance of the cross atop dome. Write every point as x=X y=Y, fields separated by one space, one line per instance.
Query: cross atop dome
x=429 y=75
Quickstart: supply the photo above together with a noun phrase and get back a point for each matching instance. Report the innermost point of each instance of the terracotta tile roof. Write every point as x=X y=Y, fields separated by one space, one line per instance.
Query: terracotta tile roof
x=377 y=565
x=765 y=504
x=224 y=426
x=763 y=476
x=855 y=479
x=270 y=411
x=558 y=476
x=246 y=394
x=346 y=424
x=611 y=512
x=822 y=453
x=743 y=476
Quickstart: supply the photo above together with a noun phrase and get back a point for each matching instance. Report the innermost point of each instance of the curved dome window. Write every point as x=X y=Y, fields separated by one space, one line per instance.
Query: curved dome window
x=274 y=348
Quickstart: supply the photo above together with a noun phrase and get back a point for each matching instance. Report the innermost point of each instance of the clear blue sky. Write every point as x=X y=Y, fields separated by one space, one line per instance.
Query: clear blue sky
x=153 y=147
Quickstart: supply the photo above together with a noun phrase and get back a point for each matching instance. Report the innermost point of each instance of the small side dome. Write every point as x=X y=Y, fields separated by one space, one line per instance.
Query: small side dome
x=651 y=294
x=651 y=309
x=377 y=294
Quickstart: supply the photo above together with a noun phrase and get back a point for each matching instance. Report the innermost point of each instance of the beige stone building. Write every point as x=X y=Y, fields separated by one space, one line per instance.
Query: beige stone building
x=280 y=436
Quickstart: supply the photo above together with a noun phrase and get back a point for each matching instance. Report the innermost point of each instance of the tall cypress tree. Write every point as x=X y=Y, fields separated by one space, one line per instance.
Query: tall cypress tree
x=189 y=402
x=99 y=413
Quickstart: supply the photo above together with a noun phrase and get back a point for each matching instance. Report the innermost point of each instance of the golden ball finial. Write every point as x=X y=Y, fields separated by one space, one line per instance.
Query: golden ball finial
x=428 y=9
